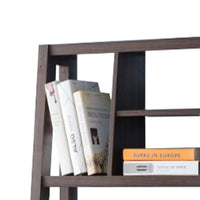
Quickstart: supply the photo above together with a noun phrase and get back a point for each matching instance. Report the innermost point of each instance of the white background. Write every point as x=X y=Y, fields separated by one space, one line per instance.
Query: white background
x=172 y=77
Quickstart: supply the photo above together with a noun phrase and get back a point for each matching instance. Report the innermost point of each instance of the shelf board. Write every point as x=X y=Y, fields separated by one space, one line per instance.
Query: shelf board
x=121 y=181
x=124 y=46
x=156 y=113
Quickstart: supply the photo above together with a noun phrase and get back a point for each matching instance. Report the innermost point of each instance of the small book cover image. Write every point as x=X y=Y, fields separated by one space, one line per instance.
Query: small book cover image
x=93 y=111
x=99 y=158
x=165 y=154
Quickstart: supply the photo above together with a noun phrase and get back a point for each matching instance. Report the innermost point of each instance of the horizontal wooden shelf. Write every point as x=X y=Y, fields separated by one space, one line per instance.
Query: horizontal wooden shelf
x=171 y=112
x=124 y=46
x=120 y=181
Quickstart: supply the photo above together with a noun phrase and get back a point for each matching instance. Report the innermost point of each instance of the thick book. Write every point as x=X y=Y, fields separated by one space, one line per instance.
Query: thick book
x=59 y=134
x=176 y=154
x=93 y=109
x=66 y=90
x=160 y=168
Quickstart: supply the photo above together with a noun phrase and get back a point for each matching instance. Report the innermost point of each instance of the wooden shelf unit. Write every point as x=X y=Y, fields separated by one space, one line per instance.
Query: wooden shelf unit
x=128 y=113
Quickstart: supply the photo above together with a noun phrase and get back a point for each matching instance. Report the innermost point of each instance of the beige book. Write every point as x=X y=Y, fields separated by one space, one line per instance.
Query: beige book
x=93 y=110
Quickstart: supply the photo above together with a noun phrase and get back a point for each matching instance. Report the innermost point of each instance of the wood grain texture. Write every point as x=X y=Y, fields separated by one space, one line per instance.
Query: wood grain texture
x=68 y=70
x=122 y=181
x=68 y=67
x=112 y=116
x=125 y=46
x=157 y=113
x=43 y=128
x=129 y=132
x=130 y=94
x=131 y=81
x=63 y=73
x=68 y=192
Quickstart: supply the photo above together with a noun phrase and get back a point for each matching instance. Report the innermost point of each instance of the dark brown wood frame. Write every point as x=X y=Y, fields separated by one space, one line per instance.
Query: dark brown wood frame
x=127 y=114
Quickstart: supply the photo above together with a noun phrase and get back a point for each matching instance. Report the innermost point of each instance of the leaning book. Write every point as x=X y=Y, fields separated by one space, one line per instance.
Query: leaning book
x=93 y=110
x=66 y=90
x=59 y=134
x=160 y=168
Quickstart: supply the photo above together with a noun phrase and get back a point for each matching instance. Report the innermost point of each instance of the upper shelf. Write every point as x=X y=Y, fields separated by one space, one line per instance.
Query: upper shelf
x=124 y=46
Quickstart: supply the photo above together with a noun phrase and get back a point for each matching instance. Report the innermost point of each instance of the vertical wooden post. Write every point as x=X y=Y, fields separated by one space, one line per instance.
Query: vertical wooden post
x=126 y=132
x=68 y=70
x=43 y=129
x=112 y=118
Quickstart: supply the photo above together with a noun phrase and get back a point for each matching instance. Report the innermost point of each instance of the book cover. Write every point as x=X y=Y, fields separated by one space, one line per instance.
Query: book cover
x=93 y=110
x=59 y=134
x=186 y=154
x=160 y=168
x=66 y=90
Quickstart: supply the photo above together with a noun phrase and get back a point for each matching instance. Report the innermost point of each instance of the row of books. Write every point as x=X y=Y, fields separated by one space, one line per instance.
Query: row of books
x=178 y=161
x=80 y=116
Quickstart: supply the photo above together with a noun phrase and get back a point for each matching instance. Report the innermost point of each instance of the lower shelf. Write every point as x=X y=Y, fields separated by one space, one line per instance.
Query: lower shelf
x=121 y=181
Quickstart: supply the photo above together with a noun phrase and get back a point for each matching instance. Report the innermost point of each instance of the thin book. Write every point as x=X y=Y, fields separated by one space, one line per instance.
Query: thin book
x=59 y=133
x=66 y=90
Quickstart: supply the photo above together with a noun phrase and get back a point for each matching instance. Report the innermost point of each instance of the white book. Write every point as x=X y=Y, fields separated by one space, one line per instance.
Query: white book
x=66 y=90
x=160 y=168
x=59 y=134
x=93 y=109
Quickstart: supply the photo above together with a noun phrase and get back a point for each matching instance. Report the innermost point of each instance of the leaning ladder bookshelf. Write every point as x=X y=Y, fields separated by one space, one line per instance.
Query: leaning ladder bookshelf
x=128 y=114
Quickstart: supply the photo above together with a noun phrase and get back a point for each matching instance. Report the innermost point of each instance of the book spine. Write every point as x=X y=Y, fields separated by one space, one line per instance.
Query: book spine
x=82 y=116
x=160 y=168
x=187 y=154
x=59 y=135
x=66 y=90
